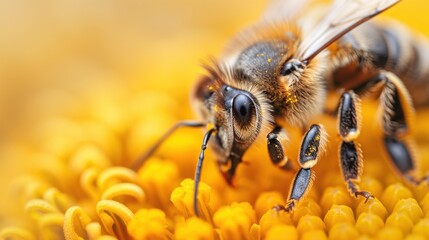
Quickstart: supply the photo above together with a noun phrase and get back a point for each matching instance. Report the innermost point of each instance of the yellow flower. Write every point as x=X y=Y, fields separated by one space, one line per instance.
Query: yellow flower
x=67 y=174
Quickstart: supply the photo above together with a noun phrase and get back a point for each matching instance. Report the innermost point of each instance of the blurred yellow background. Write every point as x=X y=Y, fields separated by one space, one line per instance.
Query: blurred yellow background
x=59 y=57
x=54 y=52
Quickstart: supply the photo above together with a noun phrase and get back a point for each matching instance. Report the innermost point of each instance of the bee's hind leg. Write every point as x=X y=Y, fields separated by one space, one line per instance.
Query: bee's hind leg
x=396 y=111
x=396 y=114
x=312 y=147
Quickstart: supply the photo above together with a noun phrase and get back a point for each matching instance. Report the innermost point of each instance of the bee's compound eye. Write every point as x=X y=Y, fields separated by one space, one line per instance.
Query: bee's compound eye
x=243 y=107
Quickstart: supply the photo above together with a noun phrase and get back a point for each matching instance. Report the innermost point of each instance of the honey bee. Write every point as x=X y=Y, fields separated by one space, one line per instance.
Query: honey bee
x=279 y=72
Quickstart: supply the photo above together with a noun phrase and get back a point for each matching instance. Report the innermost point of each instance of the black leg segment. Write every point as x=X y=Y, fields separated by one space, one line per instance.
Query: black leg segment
x=351 y=160
x=300 y=186
x=349 y=116
x=399 y=154
x=312 y=147
x=351 y=168
x=350 y=154
x=313 y=141
x=199 y=167
x=396 y=107
x=275 y=148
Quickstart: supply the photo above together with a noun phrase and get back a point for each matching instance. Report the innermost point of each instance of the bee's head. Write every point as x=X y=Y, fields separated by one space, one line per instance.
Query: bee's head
x=237 y=113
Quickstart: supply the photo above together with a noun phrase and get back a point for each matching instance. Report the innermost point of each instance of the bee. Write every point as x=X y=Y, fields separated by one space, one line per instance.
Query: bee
x=279 y=72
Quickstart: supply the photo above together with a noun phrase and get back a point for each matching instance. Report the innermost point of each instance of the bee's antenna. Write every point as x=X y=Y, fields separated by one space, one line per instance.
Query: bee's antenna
x=139 y=162
x=199 y=167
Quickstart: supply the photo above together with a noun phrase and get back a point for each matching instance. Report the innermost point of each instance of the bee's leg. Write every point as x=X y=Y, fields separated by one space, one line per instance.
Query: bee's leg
x=349 y=117
x=275 y=149
x=199 y=167
x=139 y=162
x=312 y=147
x=396 y=113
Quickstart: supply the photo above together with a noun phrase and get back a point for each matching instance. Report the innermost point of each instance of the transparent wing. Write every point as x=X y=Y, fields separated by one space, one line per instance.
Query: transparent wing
x=343 y=16
x=283 y=9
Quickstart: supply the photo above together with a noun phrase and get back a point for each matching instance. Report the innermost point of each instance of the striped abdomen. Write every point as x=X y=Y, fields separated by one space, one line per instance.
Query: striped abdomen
x=392 y=47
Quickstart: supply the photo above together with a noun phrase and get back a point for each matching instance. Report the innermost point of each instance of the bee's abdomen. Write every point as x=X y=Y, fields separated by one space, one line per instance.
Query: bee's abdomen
x=394 y=48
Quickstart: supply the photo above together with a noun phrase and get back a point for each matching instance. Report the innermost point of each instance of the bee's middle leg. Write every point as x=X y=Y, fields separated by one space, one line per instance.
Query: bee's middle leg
x=351 y=165
x=312 y=147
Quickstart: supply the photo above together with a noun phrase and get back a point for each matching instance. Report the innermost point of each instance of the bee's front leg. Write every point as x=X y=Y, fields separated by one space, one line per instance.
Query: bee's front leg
x=349 y=121
x=141 y=160
x=312 y=147
x=275 y=150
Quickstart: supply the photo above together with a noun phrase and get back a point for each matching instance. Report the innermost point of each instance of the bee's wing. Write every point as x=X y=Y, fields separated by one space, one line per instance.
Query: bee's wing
x=283 y=9
x=343 y=16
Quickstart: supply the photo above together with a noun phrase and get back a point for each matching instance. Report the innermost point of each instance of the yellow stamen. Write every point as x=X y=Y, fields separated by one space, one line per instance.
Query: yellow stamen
x=343 y=231
x=306 y=207
x=267 y=201
x=369 y=224
x=115 y=217
x=282 y=230
x=235 y=221
x=255 y=232
x=339 y=214
x=393 y=193
x=51 y=225
x=410 y=207
x=93 y=230
x=149 y=224
x=374 y=207
x=75 y=221
x=38 y=207
x=123 y=189
x=335 y=195
x=88 y=182
x=425 y=204
x=159 y=177
x=60 y=200
x=314 y=234
x=183 y=199
x=116 y=175
x=310 y=223
x=390 y=233
x=194 y=228
x=422 y=228
x=401 y=221
x=88 y=156
x=272 y=218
